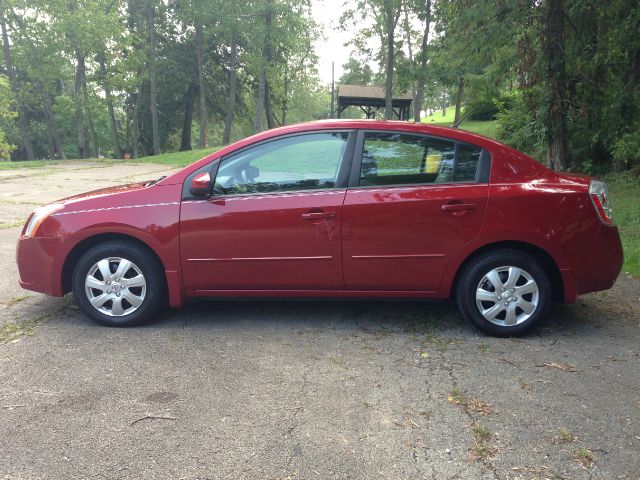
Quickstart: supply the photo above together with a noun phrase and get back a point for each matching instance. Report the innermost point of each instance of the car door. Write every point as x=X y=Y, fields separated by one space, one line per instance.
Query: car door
x=412 y=202
x=273 y=219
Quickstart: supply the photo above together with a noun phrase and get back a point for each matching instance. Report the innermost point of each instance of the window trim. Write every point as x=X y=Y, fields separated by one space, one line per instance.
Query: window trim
x=482 y=171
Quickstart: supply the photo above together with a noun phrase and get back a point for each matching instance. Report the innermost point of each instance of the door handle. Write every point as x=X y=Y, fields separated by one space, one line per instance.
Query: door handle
x=458 y=207
x=318 y=215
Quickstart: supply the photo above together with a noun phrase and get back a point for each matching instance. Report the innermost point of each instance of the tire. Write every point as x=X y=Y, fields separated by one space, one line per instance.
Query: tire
x=485 y=305
x=124 y=281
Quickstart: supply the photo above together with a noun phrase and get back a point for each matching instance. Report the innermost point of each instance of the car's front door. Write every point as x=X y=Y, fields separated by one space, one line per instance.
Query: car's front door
x=273 y=221
x=413 y=201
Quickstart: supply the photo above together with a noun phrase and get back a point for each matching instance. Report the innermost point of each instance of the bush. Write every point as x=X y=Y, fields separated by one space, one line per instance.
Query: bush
x=626 y=152
x=482 y=109
x=518 y=128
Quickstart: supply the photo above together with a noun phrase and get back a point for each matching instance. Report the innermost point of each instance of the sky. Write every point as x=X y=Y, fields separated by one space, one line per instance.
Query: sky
x=330 y=48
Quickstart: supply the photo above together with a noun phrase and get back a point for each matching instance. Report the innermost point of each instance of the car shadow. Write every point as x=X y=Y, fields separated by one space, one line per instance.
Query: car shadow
x=405 y=316
x=370 y=316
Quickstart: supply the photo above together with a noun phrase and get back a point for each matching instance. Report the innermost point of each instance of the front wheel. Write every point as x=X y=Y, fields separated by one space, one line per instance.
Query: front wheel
x=504 y=293
x=119 y=284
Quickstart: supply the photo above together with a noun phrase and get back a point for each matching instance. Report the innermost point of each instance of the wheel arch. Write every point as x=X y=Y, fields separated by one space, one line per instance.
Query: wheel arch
x=545 y=259
x=86 y=244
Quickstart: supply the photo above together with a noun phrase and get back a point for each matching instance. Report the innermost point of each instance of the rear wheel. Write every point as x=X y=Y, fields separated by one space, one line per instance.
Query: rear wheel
x=119 y=284
x=504 y=293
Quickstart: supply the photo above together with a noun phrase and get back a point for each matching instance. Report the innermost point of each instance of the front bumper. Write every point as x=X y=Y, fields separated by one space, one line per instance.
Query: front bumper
x=39 y=264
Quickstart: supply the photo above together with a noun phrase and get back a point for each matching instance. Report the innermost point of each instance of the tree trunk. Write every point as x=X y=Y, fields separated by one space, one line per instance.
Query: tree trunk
x=233 y=82
x=136 y=123
x=388 y=87
x=459 y=94
x=93 y=144
x=268 y=110
x=202 y=143
x=77 y=95
x=407 y=32
x=285 y=93
x=422 y=72
x=557 y=148
x=115 y=138
x=185 y=144
x=153 y=107
x=55 y=145
x=22 y=111
x=260 y=101
x=264 y=94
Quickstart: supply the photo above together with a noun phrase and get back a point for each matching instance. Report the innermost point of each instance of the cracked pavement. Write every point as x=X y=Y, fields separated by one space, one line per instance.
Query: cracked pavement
x=304 y=390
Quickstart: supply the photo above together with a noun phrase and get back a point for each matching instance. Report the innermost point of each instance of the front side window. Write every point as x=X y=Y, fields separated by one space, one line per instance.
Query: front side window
x=399 y=159
x=301 y=162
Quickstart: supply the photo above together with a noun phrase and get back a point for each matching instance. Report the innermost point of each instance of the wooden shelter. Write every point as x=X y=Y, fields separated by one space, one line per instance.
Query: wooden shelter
x=370 y=99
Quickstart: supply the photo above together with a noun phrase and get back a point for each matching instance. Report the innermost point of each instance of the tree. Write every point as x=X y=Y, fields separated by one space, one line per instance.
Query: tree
x=13 y=80
x=233 y=85
x=423 y=11
x=153 y=106
x=382 y=17
x=356 y=72
x=557 y=151
x=7 y=114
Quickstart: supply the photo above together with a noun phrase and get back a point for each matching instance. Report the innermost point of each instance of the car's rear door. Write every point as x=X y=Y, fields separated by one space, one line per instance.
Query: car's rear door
x=273 y=221
x=413 y=201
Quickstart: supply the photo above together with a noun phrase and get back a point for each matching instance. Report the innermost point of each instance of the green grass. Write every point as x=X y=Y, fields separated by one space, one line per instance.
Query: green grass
x=488 y=128
x=178 y=159
x=624 y=191
x=28 y=164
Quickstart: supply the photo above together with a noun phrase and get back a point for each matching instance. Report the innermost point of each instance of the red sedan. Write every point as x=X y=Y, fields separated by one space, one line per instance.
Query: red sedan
x=334 y=209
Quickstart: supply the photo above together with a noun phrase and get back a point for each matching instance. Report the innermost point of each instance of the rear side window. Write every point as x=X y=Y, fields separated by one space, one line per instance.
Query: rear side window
x=399 y=159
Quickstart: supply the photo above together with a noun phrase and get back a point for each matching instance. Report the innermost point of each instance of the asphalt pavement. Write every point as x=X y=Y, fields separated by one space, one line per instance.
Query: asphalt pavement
x=306 y=390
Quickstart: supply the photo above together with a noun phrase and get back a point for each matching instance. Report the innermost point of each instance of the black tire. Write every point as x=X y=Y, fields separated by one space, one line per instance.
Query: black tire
x=476 y=271
x=152 y=295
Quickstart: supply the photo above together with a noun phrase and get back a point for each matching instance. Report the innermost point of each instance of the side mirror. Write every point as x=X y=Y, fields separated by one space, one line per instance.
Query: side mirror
x=201 y=184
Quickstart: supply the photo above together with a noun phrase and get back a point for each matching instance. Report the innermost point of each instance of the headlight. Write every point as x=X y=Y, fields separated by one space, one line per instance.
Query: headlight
x=39 y=216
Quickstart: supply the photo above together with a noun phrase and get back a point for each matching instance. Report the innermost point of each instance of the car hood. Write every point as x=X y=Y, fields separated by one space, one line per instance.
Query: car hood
x=102 y=192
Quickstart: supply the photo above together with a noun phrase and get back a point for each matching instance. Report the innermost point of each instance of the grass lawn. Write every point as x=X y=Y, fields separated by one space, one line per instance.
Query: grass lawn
x=488 y=128
x=29 y=164
x=179 y=159
x=624 y=192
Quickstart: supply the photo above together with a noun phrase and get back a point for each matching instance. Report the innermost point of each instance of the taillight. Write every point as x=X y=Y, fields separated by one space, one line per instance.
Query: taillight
x=600 y=198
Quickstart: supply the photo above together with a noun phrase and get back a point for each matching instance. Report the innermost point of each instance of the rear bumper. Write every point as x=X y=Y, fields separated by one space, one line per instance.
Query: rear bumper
x=38 y=264
x=595 y=266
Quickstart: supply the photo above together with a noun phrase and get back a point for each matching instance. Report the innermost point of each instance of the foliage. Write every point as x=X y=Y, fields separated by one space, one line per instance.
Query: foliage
x=81 y=77
x=518 y=126
x=356 y=72
x=89 y=61
x=624 y=189
x=7 y=114
x=626 y=150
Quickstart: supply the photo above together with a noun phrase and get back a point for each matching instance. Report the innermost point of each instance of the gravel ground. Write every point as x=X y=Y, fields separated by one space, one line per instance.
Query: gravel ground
x=305 y=390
